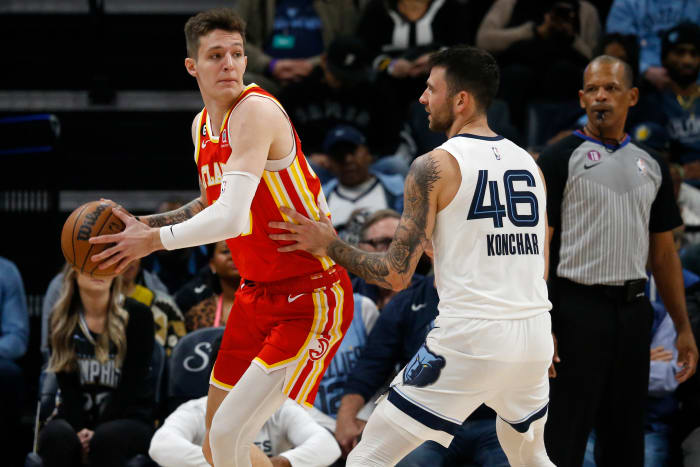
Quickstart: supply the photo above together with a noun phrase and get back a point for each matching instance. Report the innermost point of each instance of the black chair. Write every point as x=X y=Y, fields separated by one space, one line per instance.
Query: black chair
x=189 y=366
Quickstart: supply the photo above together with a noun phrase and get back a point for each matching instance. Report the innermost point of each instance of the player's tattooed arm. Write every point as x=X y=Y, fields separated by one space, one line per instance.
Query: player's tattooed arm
x=178 y=215
x=393 y=268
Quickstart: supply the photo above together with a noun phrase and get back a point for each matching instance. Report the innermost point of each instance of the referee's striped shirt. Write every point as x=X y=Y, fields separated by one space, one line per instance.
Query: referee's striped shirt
x=603 y=204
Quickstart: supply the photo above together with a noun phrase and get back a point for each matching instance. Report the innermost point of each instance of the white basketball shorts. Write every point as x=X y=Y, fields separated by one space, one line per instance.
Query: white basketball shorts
x=466 y=362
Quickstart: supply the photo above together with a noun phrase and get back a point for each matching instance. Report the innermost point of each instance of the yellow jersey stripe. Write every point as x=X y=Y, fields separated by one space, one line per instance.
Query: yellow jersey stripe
x=320 y=315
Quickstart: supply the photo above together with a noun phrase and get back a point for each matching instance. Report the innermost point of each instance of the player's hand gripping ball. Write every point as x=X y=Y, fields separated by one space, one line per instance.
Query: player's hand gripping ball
x=89 y=220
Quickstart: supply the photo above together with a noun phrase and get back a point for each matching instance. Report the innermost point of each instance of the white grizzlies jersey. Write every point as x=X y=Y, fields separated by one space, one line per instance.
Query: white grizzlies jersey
x=489 y=241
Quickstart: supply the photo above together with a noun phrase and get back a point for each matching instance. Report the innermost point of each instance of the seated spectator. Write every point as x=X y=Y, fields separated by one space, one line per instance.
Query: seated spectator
x=175 y=267
x=542 y=47
x=338 y=92
x=376 y=235
x=216 y=291
x=400 y=36
x=398 y=334
x=289 y=437
x=356 y=185
x=647 y=19
x=681 y=101
x=167 y=317
x=330 y=389
x=139 y=284
x=14 y=336
x=285 y=38
x=100 y=353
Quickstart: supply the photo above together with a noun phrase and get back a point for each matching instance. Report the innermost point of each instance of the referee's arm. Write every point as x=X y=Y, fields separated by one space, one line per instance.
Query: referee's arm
x=666 y=268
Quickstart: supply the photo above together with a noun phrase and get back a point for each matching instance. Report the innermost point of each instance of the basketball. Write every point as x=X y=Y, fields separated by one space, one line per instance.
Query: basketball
x=89 y=220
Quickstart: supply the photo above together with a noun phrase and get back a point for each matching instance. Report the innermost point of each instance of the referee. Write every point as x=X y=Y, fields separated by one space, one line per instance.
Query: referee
x=610 y=206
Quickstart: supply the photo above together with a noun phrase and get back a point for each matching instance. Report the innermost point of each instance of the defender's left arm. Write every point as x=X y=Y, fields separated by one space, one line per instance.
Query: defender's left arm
x=394 y=268
x=666 y=267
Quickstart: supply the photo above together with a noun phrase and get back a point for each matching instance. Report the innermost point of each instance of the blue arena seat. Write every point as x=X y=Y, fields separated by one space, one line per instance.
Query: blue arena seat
x=189 y=366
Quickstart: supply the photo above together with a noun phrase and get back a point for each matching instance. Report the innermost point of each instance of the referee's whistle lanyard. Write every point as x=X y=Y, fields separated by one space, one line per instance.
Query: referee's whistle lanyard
x=219 y=306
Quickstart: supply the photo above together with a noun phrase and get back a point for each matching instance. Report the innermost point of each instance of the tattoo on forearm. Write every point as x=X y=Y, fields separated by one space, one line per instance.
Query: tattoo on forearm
x=411 y=233
x=370 y=266
x=176 y=216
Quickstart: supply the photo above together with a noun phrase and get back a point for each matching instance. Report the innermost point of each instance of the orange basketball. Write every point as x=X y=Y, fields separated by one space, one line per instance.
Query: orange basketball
x=89 y=220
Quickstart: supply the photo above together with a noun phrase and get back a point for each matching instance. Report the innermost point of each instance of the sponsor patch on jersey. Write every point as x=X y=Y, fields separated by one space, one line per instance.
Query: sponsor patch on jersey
x=424 y=369
x=593 y=156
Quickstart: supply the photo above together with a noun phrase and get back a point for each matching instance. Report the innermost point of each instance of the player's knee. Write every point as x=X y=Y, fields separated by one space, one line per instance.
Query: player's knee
x=221 y=432
x=524 y=449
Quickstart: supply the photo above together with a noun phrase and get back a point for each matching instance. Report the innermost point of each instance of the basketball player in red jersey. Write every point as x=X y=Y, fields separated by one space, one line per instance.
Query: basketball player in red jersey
x=290 y=313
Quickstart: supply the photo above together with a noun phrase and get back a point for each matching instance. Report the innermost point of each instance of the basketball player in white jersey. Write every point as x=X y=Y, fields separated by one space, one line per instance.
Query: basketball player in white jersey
x=480 y=200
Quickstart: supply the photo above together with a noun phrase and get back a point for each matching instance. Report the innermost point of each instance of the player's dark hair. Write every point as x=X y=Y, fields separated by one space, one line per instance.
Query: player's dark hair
x=205 y=22
x=469 y=69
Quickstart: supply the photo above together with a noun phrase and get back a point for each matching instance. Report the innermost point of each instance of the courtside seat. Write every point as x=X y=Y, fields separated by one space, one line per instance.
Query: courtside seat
x=189 y=366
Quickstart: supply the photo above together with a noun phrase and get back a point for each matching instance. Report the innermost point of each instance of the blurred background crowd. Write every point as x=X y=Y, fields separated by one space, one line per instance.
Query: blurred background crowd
x=96 y=84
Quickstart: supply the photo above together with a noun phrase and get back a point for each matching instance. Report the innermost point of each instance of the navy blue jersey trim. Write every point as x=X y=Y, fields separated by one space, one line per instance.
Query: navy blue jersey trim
x=485 y=138
x=420 y=414
x=522 y=427
x=612 y=147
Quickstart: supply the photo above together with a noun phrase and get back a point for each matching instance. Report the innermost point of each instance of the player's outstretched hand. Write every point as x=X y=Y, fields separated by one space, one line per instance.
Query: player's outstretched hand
x=308 y=235
x=135 y=241
x=687 y=355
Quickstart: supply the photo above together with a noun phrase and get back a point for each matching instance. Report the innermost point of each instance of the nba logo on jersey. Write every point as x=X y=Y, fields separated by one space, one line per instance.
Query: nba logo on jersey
x=424 y=369
x=496 y=153
x=223 y=136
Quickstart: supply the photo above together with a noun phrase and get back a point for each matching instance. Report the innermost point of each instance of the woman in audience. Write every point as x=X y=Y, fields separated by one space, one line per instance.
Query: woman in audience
x=214 y=307
x=100 y=352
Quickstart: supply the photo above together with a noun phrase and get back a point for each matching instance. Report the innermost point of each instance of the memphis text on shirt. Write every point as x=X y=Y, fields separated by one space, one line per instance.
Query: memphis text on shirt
x=512 y=244
x=94 y=372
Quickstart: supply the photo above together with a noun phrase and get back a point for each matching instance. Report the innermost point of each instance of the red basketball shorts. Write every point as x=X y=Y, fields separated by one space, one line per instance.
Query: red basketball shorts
x=296 y=324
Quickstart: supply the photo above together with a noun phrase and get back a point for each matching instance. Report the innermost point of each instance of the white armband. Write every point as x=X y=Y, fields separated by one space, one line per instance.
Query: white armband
x=226 y=218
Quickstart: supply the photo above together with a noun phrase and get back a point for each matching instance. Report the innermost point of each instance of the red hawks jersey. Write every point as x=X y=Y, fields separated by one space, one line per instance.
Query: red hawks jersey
x=297 y=186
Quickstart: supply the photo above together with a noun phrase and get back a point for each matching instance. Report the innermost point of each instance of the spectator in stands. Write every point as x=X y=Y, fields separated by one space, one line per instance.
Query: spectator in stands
x=167 y=317
x=357 y=185
x=541 y=46
x=140 y=285
x=14 y=336
x=376 y=235
x=217 y=291
x=289 y=437
x=175 y=267
x=330 y=389
x=338 y=91
x=401 y=34
x=100 y=352
x=622 y=46
x=400 y=331
x=647 y=19
x=286 y=38
x=680 y=54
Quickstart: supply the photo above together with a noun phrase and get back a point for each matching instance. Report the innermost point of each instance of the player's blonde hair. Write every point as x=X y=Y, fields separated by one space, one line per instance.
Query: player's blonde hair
x=64 y=320
x=205 y=22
